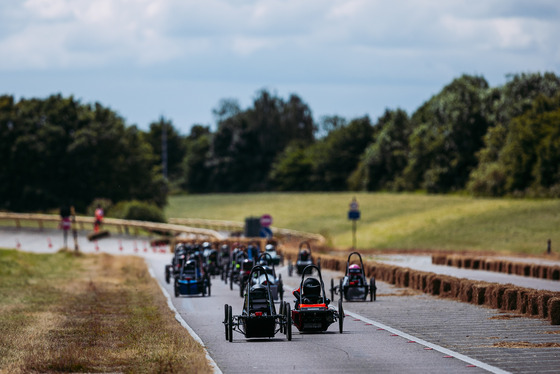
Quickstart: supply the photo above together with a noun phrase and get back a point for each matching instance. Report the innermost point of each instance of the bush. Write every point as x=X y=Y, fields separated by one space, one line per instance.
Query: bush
x=137 y=210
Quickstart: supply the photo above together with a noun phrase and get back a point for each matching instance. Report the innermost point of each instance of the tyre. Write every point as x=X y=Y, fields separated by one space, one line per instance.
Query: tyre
x=167 y=275
x=340 y=316
x=372 y=289
x=176 y=289
x=288 y=322
x=226 y=320
x=290 y=269
x=332 y=289
x=209 y=288
x=230 y=324
x=340 y=291
x=281 y=312
x=319 y=263
x=231 y=282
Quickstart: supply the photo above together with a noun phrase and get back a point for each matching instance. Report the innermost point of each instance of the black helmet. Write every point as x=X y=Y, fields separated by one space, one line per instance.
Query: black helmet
x=311 y=287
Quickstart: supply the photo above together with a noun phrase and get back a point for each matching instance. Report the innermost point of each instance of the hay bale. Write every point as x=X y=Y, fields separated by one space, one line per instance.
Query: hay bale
x=445 y=286
x=97 y=235
x=434 y=284
x=465 y=290
x=554 y=310
x=532 y=303
x=522 y=300
x=510 y=299
x=478 y=292
x=543 y=304
x=509 y=267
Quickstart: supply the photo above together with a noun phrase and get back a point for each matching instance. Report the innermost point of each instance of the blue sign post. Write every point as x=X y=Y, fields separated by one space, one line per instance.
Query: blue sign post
x=354 y=215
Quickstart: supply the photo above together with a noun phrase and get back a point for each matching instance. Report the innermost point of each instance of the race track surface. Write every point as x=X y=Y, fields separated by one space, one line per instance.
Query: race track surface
x=391 y=335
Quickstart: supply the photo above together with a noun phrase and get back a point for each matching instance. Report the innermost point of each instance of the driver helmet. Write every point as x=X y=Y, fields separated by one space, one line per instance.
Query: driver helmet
x=354 y=269
x=258 y=291
x=311 y=287
x=269 y=247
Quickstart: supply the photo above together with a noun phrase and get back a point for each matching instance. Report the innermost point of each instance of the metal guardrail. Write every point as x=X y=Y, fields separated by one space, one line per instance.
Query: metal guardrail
x=198 y=227
x=233 y=225
x=120 y=224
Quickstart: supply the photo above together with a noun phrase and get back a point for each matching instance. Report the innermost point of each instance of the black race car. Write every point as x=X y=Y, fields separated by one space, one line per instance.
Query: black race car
x=258 y=318
x=304 y=259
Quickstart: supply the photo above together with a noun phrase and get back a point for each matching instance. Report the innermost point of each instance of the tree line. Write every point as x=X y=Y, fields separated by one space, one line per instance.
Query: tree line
x=489 y=141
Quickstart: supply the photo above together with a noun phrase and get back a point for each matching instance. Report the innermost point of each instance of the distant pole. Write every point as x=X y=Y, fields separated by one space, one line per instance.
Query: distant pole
x=164 y=147
x=549 y=246
x=354 y=215
x=353 y=234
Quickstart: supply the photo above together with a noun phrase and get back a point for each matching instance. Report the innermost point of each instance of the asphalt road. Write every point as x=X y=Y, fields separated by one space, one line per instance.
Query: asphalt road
x=362 y=348
x=393 y=334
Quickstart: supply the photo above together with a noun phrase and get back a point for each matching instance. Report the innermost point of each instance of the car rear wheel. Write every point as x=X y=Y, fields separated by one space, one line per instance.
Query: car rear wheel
x=288 y=314
x=230 y=324
x=332 y=289
x=340 y=290
x=226 y=320
x=281 y=312
x=372 y=289
x=340 y=316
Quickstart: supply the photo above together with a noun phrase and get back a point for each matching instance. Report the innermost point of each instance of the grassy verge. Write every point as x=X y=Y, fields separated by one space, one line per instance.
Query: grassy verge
x=91 y=313
x=393 y=221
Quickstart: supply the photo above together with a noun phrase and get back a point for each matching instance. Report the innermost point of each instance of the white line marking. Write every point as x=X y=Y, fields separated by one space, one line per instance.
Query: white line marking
x=185 y=324
x=436 y=347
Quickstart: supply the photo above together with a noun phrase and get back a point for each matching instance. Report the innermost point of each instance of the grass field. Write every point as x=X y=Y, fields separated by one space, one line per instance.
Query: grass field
x=393 y=221
x=89 y=313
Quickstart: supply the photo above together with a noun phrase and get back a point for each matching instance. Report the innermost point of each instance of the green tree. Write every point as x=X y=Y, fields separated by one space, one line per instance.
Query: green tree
x=505 y=103
x=448 y=130
x=337 y=155
x=196 y=171
x=384 y=159
x=175 y=145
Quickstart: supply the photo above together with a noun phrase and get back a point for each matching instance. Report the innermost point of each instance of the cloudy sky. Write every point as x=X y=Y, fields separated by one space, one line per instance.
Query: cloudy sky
x=178 y=58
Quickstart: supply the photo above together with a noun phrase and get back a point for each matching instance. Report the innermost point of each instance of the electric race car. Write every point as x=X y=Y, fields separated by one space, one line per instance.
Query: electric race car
x=275 y=281
x=258 y=318
x=354 y=286
x=312 y=312
x=179 y=257
x=304 y=259
x=191 y=280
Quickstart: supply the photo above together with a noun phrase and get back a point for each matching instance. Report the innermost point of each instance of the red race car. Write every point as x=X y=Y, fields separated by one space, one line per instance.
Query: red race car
x=312 y=312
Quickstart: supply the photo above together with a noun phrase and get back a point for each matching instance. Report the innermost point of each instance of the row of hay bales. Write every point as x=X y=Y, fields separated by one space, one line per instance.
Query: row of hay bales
x=551 y=272
x=506 y=297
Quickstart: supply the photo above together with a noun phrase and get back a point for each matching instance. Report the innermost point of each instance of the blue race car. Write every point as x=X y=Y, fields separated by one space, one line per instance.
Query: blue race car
x=192 y=280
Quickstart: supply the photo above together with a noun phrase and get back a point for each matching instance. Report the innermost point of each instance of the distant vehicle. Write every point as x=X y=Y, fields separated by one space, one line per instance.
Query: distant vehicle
x=354 y=286
x=258 y=318
x=275 y=281
x=303 y=260
x=312 y=312
x=191 y=280
x=277 y=258
x=179 y=257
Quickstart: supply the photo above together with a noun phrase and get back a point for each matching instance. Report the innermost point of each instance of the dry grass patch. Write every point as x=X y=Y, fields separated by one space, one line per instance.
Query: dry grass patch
x=95 y=313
